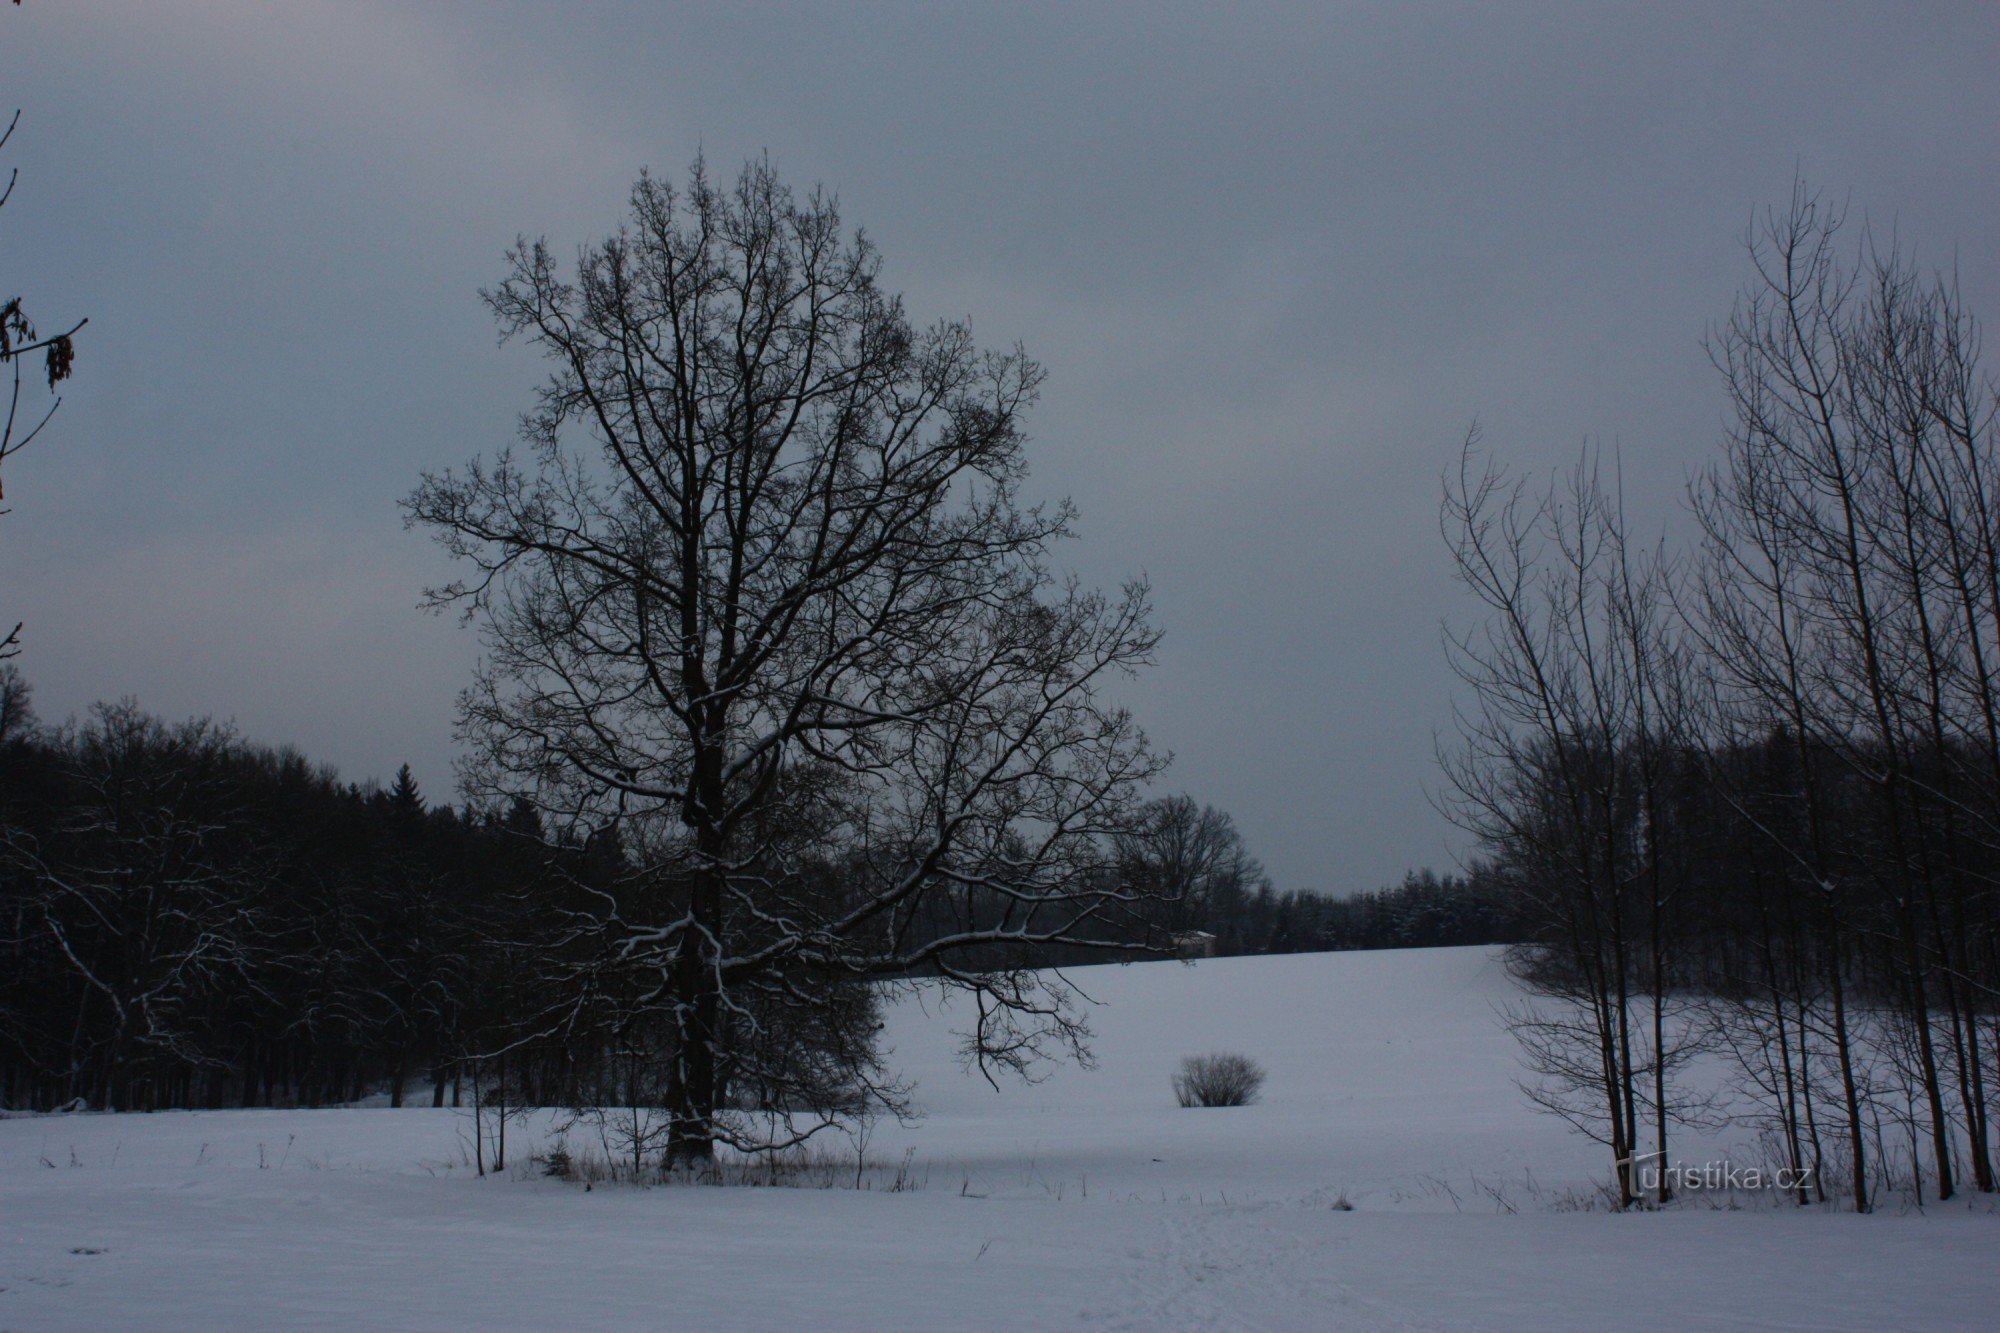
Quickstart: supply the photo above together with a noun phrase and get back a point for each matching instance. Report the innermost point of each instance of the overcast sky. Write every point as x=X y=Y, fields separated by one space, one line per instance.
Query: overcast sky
x=1275 y=260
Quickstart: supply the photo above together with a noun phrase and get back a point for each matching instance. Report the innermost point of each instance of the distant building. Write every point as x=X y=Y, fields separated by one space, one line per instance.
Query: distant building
x=1194 y=944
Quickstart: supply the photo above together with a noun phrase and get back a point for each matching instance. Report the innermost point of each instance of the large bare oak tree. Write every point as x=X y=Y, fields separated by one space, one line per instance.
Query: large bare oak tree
x=759 y=591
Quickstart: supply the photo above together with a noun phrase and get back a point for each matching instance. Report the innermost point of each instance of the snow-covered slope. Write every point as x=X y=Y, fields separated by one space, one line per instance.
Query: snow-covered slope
x=1388 y=1076
x=1088 y=1199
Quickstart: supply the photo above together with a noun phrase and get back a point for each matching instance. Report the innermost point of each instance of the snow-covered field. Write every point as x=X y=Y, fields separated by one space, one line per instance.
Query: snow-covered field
x=1088 y=1200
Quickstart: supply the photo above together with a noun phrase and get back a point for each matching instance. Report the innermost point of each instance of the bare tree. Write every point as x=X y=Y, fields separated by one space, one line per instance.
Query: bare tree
x=17 y=709
x=762 y=595
x=1852 y=600
x=1192 y=858
x=1562 y=769
x=145 y=892
x=19 y=339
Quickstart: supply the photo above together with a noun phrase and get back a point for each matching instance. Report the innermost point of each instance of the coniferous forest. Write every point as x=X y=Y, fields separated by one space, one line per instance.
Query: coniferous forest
x=192 y=920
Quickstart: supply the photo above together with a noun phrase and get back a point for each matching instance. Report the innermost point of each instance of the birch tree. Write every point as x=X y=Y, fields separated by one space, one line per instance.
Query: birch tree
x=1564 y=766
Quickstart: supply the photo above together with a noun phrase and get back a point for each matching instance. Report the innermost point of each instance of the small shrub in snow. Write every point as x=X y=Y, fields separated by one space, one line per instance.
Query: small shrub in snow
x=1218 y=1080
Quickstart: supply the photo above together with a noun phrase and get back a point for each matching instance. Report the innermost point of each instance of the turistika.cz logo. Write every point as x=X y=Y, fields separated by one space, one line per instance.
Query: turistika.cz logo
x=1647 y=1172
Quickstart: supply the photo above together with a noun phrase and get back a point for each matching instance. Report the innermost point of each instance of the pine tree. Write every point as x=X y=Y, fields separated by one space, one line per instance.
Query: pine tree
x=405 y=800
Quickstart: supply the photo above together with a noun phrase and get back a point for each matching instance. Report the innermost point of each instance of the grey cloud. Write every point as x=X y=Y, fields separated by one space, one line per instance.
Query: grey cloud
x=1276 y=259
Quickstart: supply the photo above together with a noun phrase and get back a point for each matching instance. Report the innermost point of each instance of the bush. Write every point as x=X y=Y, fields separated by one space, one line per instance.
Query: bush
x=1218 y=1080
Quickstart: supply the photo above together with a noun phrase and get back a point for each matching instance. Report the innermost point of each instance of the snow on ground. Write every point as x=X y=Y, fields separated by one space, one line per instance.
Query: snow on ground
x=1087 y=1200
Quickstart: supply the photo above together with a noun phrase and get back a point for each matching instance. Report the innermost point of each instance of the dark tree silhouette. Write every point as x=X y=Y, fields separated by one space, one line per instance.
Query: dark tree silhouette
x=19 y=342
x=762 y=595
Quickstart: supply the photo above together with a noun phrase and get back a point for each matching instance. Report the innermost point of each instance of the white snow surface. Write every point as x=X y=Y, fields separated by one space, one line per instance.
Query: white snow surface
x=1087 y=1200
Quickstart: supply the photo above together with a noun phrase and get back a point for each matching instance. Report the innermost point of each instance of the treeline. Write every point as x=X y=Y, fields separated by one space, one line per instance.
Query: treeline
x=1425 y=911
x=191 y=920
x=1747 y=794
x=188 y=920
x=1198 y=875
